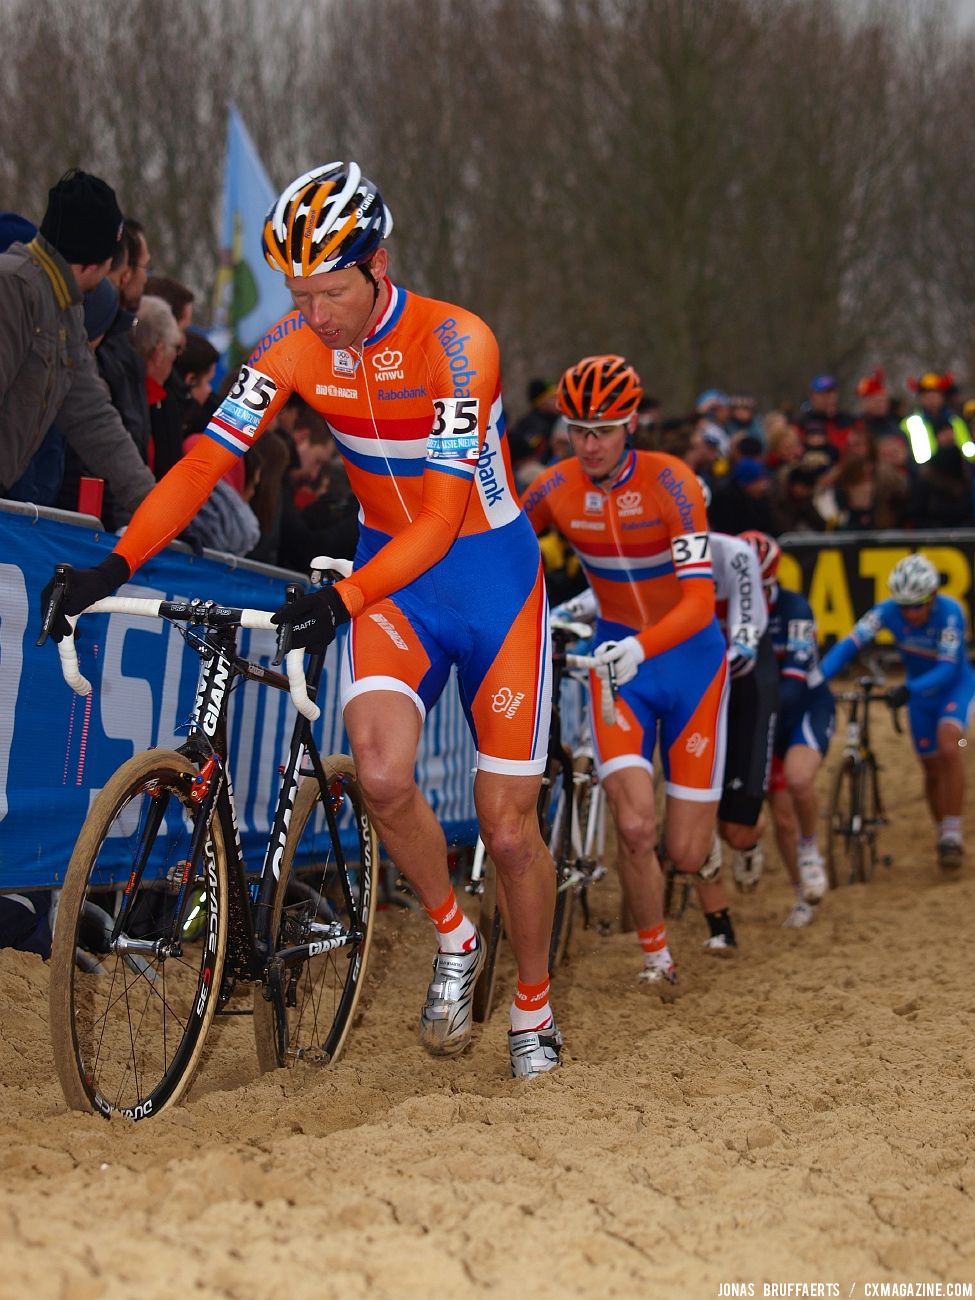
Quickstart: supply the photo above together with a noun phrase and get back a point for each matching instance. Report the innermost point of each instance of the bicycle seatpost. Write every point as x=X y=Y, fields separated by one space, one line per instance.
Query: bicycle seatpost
x=291 y=594
x=62 y=573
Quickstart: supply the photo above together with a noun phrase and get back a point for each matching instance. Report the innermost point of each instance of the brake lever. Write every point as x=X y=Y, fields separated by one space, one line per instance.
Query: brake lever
x=62 y=572
x=291 y=594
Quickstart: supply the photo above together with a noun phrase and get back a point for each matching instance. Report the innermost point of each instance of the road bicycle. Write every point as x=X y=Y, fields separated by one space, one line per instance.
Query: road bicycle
x=160 y=918
x=571 y=816
x=856 y=811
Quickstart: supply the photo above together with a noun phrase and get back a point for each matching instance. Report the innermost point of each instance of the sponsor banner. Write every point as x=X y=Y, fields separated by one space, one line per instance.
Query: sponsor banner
x=844 y=574
x=58 y=749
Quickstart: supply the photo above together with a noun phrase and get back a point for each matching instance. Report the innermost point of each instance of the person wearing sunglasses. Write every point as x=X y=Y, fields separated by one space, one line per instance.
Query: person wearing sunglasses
x=638 y=522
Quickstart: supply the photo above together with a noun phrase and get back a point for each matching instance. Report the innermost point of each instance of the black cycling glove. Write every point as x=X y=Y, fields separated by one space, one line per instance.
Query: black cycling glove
x=84 y=587
x=898 y=696
x=313 y=619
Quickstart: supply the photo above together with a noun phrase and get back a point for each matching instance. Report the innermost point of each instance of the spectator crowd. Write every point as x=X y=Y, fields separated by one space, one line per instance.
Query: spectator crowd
x=127 y=386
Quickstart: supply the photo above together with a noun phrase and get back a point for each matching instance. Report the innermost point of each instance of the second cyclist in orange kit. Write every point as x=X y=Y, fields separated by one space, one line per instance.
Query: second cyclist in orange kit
x=447 y=572
x=638 y=524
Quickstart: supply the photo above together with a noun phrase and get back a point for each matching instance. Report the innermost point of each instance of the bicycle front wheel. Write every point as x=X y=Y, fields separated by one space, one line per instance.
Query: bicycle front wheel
x=845 y=851
x=555 y=807
x=326 y=900
x=139 y=943
x=872 y=813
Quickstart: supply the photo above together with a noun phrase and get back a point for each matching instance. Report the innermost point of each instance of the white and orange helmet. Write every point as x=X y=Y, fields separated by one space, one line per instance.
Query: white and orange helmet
x=330 y=218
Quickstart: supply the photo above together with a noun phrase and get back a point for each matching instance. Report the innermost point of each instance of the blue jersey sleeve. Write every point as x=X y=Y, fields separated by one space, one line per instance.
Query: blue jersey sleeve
x=863 y=634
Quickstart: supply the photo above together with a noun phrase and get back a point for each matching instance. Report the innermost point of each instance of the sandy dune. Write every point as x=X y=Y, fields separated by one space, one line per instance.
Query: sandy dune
x=804 y=1113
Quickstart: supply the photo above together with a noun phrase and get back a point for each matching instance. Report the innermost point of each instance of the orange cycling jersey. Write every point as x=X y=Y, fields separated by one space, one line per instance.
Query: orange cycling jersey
x=416 y=415
x=642 y=540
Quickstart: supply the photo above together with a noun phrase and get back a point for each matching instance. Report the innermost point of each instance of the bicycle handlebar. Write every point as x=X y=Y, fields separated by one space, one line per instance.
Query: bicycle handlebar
x=570 y=630
x=566 y=630
x=255 y=619
x=607 y=683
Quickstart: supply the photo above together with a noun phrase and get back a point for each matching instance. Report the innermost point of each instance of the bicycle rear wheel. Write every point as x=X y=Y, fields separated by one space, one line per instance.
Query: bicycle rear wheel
x=490 y=926
x=845 y=854
x=310 y=905
x=139 y=943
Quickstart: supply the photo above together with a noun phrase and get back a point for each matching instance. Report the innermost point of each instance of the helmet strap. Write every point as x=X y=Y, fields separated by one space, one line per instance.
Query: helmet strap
x=364 y=268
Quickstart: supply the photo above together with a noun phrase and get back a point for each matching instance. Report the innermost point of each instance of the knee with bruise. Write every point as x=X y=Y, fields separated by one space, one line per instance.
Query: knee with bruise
x=636 y=827
x=511 y=843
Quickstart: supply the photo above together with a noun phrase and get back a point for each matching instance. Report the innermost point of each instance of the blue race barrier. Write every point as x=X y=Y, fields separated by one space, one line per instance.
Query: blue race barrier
x=57 y=749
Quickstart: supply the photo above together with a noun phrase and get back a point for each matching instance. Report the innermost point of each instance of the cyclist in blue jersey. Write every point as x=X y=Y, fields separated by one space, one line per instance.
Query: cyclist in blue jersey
x=802 y=733
x=929 y=631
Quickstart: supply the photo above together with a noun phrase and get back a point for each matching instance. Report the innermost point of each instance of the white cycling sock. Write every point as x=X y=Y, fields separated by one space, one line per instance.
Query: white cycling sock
x=949 y=828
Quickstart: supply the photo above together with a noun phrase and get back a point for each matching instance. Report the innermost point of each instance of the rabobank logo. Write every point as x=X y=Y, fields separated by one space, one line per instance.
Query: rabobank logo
x=540 y=493
x=675 y=488
x=388 y=364
x=491 y=485
x=455 y=349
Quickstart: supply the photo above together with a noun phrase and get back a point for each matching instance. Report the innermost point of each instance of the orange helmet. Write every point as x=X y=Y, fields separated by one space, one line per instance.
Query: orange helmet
x=602 y=390
x=330 y=218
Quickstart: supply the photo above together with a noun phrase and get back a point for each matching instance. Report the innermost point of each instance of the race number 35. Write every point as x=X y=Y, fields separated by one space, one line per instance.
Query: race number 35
x=253 y=390
x=455 y=415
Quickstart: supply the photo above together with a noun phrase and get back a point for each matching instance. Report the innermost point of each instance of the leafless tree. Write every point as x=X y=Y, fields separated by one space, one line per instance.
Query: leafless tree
x=739 y=192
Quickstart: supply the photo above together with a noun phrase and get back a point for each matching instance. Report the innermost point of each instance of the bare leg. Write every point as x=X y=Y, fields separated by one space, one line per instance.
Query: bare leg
x=952 y=769
x=506 y=811
x=801 y=765
x=786 y=827
x=630 y=794
x=384 y=730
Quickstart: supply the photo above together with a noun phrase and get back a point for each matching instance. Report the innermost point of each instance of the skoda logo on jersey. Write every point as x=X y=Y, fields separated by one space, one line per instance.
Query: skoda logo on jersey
x=343 y=363
x=389 y=364
x=629 y=503
x=595 y=503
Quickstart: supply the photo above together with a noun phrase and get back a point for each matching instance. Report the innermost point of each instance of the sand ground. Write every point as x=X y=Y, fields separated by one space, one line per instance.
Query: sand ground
x=804 y=1113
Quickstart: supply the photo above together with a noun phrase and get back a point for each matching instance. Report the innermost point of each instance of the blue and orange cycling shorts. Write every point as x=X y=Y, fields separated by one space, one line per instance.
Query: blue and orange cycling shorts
x=683 y=692
x=482 y=607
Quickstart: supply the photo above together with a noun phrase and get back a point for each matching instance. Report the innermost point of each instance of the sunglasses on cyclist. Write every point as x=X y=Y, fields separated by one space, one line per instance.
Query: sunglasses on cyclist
x=598 y=431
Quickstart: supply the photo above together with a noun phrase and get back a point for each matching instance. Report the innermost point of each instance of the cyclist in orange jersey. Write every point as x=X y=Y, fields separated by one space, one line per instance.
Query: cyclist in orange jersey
x=638 y=524
x=447 y=570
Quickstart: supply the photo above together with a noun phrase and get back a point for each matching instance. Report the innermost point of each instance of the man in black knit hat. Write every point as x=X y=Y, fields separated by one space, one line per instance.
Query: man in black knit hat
x=47 y=370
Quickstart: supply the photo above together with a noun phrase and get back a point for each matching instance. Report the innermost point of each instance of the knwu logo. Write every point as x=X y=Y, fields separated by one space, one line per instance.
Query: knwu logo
x=628 y=503
x=389 y=364
x=697 y=744
x=505 y=701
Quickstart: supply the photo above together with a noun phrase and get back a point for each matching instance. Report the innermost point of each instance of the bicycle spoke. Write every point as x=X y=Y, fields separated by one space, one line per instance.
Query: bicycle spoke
x=130 y=1020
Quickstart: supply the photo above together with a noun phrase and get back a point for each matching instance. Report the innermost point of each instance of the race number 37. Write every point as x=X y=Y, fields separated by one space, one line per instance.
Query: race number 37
x=253 y=390
x=690 y=548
